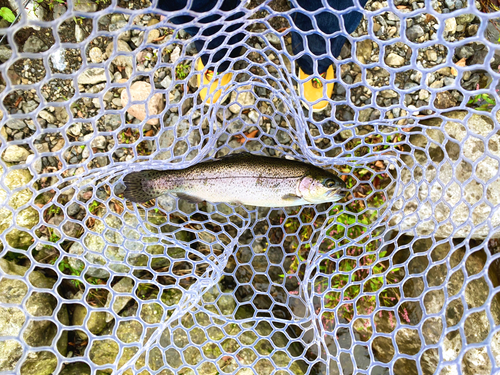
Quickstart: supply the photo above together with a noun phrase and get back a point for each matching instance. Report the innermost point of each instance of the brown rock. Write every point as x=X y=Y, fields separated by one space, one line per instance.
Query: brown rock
x=140 y=92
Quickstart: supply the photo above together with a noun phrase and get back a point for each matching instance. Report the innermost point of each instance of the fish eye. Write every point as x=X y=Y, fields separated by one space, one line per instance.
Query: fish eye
x=329 y=183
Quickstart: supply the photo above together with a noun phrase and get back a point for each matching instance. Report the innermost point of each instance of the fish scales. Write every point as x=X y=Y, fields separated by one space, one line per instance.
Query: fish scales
x=241 y=179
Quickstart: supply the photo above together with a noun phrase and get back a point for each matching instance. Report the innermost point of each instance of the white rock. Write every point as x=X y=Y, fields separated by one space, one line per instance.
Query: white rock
x=58 y=59
x=254 y=116
x=47 y=116
x=122 y=60
x=140 y=92
x=431 y=55
x=35 y=12
x=450 y=25
x=92 y=76
x=423 y=94
x=95 y=55
x=246 y=98
x=166 y=82
x=393 y=59
x=176 y=53
x=99 y=142
x=36 y=164
x=15 y=154
x=13 y=5
x=79 y=33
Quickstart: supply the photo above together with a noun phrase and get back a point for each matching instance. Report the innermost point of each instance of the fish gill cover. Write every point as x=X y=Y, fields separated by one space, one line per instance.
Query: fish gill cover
x=401 y=277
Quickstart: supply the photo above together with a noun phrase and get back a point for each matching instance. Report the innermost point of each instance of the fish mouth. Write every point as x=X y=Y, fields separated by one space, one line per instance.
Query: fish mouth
x=337 y=194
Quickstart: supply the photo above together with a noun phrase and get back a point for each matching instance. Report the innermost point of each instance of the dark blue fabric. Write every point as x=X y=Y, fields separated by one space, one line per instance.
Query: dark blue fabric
x=328 y=22
x=201 y=6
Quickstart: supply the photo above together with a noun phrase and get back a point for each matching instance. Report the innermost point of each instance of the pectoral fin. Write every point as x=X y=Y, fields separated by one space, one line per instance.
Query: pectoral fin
x=189 y=198
x=291 y=197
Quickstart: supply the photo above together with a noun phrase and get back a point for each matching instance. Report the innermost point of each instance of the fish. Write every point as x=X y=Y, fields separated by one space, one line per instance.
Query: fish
x=239 y=179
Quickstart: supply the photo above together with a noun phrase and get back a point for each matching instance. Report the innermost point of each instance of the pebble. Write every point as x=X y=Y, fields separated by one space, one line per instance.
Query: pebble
x=126 y=35
x=389 y=94
x=140 y=91
x=121 y=46
x=273 y=39
x=86 y=6
x=176 y=53
x=61 y=114
x=34 y=12
x=73 y=210
x=117 y=18
x=47 y=116
x=254 y=116
x=58 y=59
x=99 y=142
x=450 y=25
x=59 y=10
x=283 y=138
x=465 y=19
x=29 y=106
x=423 y=94
x=15 y=154
x=42 y=147
x=393 y=59
x=153 y=21
x=465 y=52
x=5 y=53
x=59 y=145
x=415 y=32
x=79 y=33
x=450 y=4
x=92 y=76
x=95 y=55
x=76 y=129
x=16 y=124
x=166 y=82
x=153 y=34
x=246 y=98
x=448 y=81
x=34 y=45
x=37 y=164
x=364 y=51
x=431 y=55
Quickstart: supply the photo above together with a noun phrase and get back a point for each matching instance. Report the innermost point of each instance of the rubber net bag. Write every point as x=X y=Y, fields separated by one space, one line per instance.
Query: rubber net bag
x=402 y=277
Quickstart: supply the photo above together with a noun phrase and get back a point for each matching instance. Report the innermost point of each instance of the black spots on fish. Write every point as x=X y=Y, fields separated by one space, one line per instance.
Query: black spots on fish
x=137 y=187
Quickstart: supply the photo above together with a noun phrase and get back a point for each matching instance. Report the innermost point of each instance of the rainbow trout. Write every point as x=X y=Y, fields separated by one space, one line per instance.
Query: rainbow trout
x=240 y=179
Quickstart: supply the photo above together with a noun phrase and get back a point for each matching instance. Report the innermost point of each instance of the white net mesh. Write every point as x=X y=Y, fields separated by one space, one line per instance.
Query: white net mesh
x=400 y=278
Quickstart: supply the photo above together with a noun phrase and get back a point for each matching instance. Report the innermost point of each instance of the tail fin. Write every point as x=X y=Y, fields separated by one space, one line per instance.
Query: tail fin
x=137 y=189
